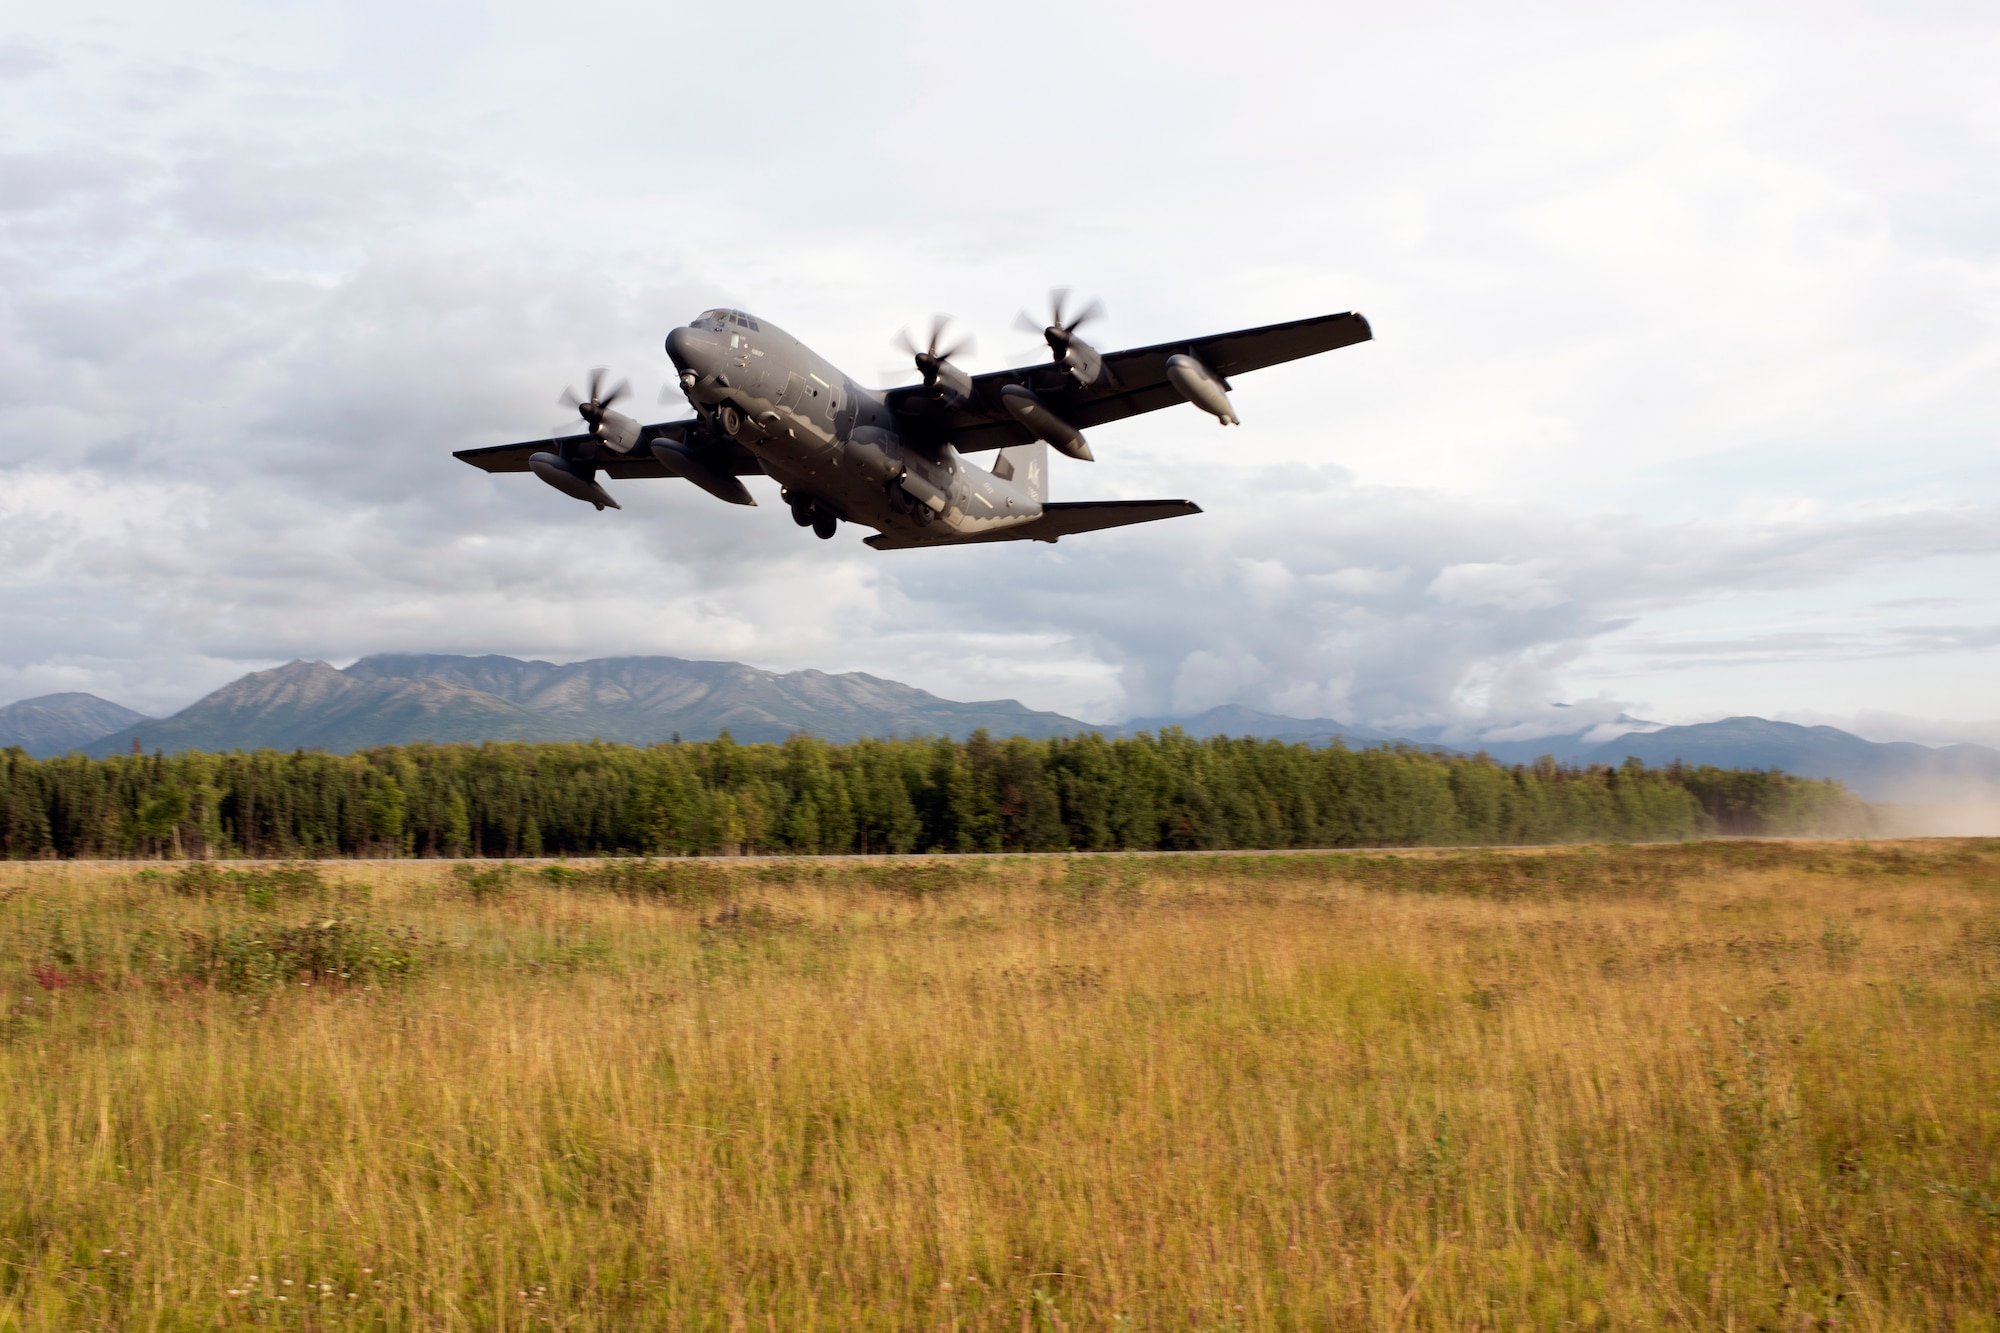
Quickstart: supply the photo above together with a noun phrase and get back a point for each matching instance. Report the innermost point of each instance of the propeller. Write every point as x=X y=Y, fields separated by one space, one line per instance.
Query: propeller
x=1061 y=325
x=932 y=356
x=593 y=408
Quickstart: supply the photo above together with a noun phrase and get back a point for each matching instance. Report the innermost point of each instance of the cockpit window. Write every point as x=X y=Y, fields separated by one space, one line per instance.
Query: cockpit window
x=719 y=318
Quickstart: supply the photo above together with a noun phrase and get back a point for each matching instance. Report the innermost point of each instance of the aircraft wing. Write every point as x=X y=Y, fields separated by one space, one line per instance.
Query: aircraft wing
x=1134 y=381
x=736 y=461
x=1059 y=519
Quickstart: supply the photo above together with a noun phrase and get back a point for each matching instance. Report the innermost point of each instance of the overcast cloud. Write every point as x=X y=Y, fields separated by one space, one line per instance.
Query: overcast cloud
x=1684 y=401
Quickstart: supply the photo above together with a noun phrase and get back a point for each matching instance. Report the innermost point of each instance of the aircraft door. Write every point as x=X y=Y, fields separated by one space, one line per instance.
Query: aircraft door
x=795 y=397
x=807 y=402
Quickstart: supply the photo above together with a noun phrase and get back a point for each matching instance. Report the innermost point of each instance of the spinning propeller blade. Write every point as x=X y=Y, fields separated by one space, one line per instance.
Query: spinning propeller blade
x=593 y=408
x=932 y=354
x=1061 y=324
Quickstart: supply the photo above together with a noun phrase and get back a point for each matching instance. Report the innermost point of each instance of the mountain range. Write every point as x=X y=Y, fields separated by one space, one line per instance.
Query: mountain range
x=1901 y=771
x=58 y=723
x=398 y=698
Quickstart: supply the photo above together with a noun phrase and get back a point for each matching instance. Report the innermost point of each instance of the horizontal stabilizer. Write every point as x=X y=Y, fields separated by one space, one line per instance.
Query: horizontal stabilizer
x=1058 y=520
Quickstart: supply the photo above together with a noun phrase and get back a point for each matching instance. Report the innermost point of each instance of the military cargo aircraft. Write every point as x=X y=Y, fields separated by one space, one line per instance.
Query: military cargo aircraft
x=895 y=460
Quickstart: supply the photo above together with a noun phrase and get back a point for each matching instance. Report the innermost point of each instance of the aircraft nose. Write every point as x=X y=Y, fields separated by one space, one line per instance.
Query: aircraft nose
x=691 y=349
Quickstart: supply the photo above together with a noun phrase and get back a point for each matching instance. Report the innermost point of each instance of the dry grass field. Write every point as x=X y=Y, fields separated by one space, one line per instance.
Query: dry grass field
x=1745 y=1086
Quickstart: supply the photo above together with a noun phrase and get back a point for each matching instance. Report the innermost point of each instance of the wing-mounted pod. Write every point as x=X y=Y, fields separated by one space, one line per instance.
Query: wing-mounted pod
x=1033 y=413
x=1201 y=386
x=578 y=480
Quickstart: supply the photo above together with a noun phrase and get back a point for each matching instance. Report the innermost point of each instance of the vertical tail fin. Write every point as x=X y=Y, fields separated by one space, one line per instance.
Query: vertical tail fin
x=1026 y=467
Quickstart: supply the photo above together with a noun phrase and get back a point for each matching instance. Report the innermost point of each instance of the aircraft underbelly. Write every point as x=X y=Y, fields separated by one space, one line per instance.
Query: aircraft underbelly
x=819 y=472
x=861 y=497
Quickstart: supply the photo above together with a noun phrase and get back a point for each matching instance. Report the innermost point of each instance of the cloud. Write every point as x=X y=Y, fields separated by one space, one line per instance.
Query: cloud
x=275 y=192
x=19 y=60
x=36 y=181
x=1517 y=587
x=1360 y=582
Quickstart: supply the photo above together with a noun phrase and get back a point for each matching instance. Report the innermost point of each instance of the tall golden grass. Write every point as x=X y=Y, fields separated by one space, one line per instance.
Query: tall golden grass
x=1717 y=1086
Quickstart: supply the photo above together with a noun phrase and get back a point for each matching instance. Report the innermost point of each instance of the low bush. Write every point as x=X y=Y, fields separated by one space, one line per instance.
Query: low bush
x=481 y=883
x=680 y=882
x=331 y=953
x=257 y=886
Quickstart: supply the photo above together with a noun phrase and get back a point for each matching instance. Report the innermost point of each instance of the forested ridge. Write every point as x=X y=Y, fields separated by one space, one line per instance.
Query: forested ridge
x=806 y=796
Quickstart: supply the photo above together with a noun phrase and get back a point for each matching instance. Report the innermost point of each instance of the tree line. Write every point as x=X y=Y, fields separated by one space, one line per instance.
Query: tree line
x=806 y=796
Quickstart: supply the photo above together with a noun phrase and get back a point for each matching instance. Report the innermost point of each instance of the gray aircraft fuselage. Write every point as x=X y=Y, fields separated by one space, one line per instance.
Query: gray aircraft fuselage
x=834 y=446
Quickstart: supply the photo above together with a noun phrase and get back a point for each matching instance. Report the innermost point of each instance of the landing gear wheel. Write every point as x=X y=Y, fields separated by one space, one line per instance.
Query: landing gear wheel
x=803 y=512
x=824 y=526
x=729 y=419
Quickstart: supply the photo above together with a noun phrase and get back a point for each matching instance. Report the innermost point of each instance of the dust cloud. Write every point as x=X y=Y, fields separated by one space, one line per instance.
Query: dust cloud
x=1971 y=815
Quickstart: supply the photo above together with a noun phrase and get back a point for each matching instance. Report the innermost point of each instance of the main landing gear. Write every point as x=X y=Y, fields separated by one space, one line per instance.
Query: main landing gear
x=807 y=513
x=904 y=503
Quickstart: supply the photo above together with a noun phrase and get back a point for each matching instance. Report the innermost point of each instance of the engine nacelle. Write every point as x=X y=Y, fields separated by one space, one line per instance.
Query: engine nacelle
x=1082 y=361
x=617 y=432
x=1033 y=413
x=572 y=479
x=948 y=384
x=1201 y=386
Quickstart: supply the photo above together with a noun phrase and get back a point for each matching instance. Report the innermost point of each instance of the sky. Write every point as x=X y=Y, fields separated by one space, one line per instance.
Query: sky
x=1684 y=400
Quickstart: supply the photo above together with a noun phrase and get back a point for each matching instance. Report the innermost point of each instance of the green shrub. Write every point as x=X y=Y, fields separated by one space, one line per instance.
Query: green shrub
x=923 y=879
x=685 y=883
x=331 y=952
x=481 y=883
x=258 y=886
